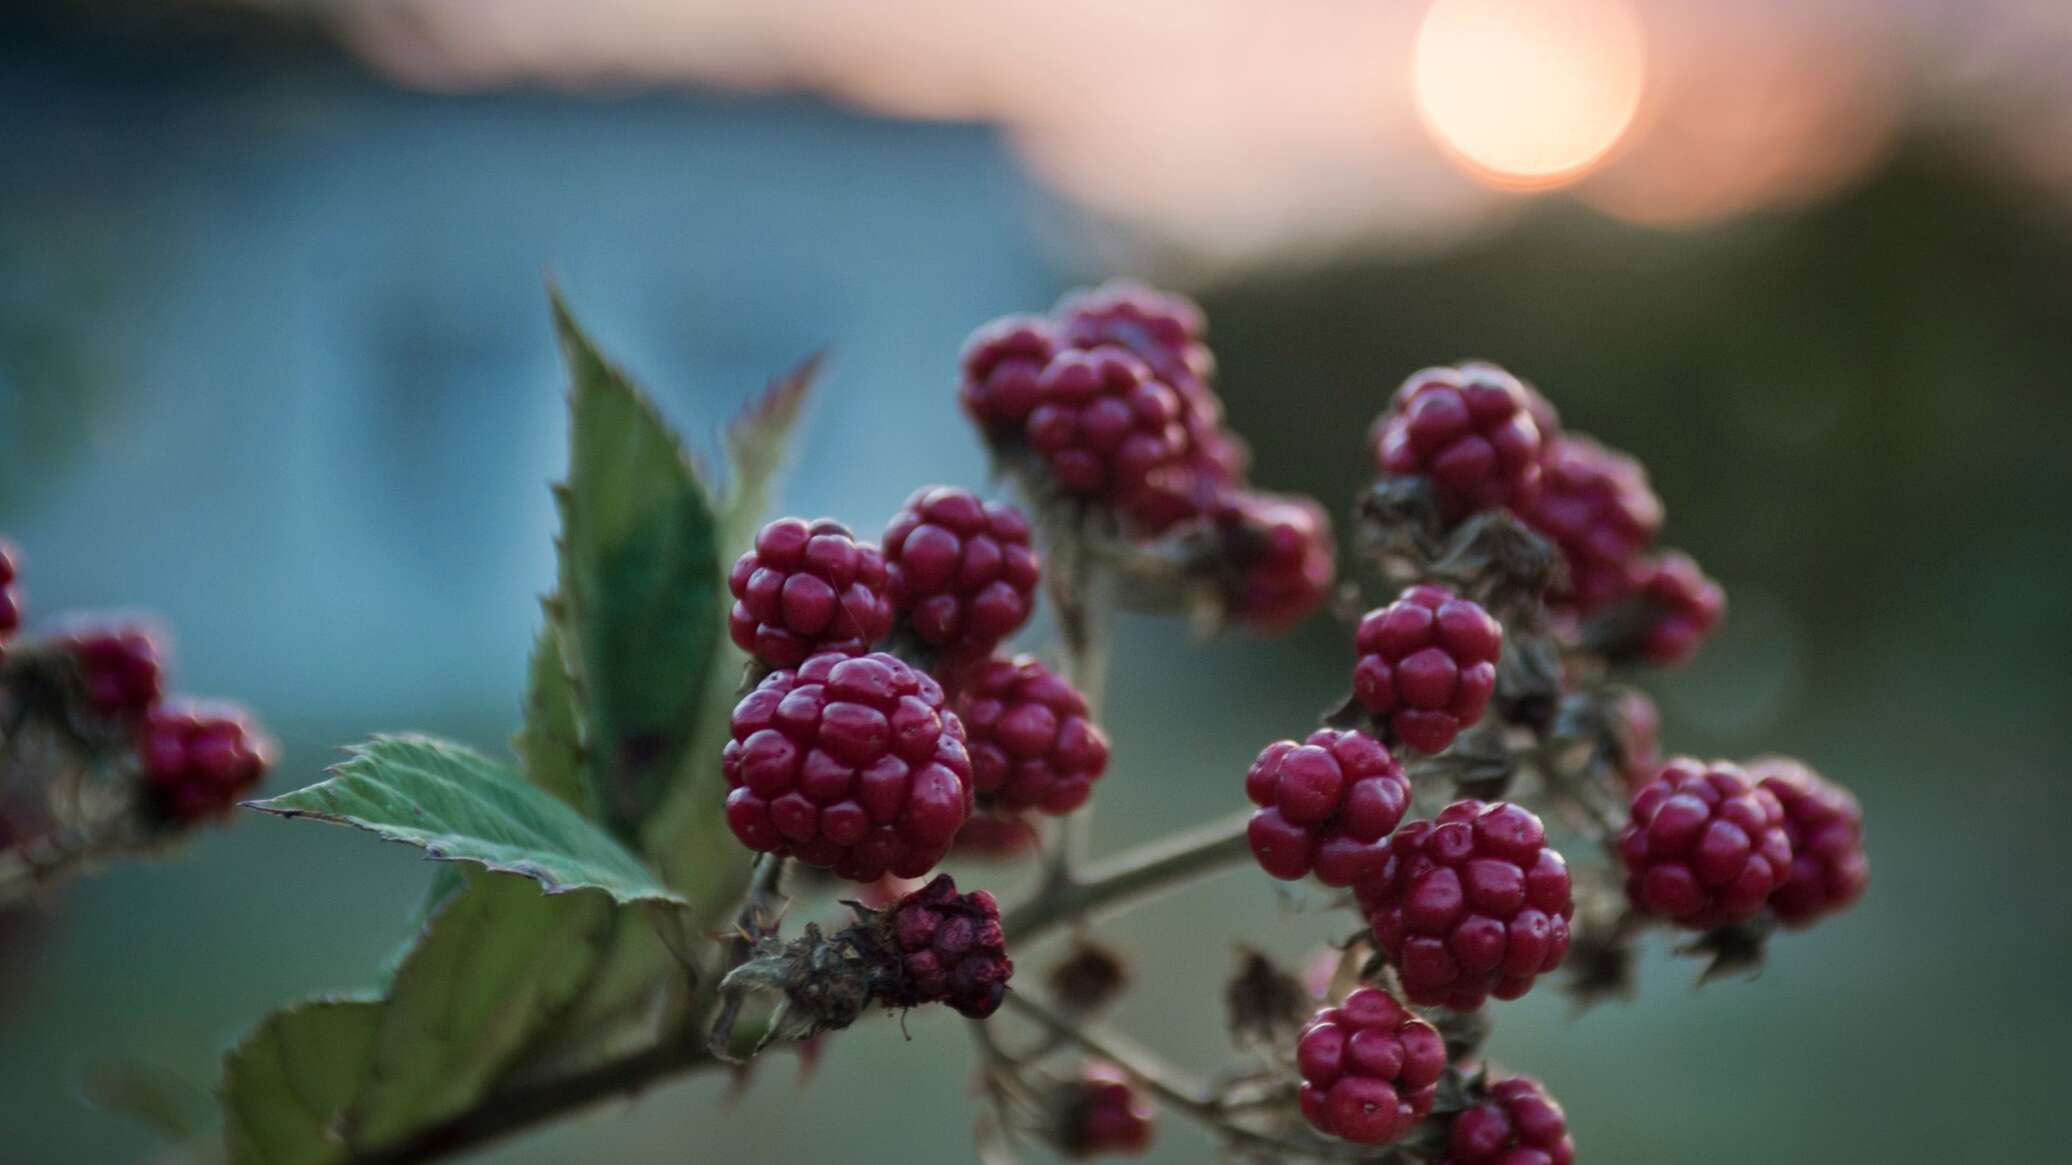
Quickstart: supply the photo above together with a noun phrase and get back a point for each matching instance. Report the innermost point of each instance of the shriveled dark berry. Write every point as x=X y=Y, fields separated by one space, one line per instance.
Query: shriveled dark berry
x=963 y=571
x=1428 y=664
x=1325 y=806
x=1469 y=429
x=951 y=950
x=852 y=763
x=808 y=588
x=1370 y=1069
x=1829 y=870
x=1470 y=905
x=1705 y=846
x=1032 y=744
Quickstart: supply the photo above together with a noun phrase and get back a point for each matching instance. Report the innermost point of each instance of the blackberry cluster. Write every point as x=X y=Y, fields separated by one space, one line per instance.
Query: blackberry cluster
x=949 y=950
x=1427 y=664
x=1706 y=845
x=1370 y=1069
x=963 y=573
x=199 y=761
x=1033 y=744
x=1325 y=806
x=808 y=588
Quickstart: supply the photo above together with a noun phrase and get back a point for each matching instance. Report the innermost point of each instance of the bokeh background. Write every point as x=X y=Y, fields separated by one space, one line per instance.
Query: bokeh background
x=274 y=364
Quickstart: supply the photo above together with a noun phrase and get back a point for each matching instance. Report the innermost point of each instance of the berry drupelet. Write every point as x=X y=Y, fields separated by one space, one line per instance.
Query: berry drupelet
x=1469 y=429
x=1706 y=846
x=849 y=763
x=808 y=588
x=1370 y=1069
x=1031 y=741
x=1427 y=664
x=1325 y=806
x=1470 y=905
x=963 y=572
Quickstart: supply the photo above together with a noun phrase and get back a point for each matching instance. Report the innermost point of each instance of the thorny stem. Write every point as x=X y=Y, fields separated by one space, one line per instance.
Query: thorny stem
x=1131 y=875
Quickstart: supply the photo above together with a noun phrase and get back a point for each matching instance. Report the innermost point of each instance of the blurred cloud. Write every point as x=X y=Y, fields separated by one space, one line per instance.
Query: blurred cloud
x=1237 y=126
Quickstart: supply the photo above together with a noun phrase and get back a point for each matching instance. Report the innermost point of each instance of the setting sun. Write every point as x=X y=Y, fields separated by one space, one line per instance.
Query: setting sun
x=1528 y=93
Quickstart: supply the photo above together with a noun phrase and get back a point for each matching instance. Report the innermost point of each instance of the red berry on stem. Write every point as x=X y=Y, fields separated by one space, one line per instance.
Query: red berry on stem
x=1106 y=426
x=1428 y=663
x=1001 y=363
x=1279 y=557
x=951 y=950
x=1032 y=743
x=963 y=572
x=1163 y=330
x=1470 y=430
x=1829 y=870
x=1688 y=607
x=1370 y=1069
x=1325 y=806
x=1518 y=1125
x=1104 y=1114
x=848 y=763
x=199 y=760
x=121 y=668
x=1597 y=507
x=1706 y=846
x=10 y=602
x=1470 y=905
x=808 y=588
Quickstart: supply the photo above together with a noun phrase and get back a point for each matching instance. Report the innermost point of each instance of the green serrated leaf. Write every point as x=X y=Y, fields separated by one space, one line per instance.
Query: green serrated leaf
x=492 y=971
x=459 y=805
x=287 y=1087
x=641 y=584
x=551 y=743
x=688 y=835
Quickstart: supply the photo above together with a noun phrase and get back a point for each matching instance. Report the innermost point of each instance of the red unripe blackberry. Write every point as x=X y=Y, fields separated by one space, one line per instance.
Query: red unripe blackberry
x=1428 y=663
x=1105 y=425
x=1470 y=430
x=1706 y=845
x=995 y=836
x=10 y=602
x=1596 y=506
x=1828 y=868
x=951 y=950
x=1688 y=604
x=1370 y=1069
x=1278 y=555
x=963 y=572
x=1326 y=806
x=1001 y=363
x=1473 y=904
x=121 y=668
x=1518 y=1125
x=198 y=761
x=1164 y=330
x=849 y=763
x=808 y=588
x=1102 y=1114
x=1032 y=744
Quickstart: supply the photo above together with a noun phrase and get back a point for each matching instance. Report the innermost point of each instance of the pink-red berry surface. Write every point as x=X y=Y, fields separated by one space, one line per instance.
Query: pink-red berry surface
x=963 y=572
x=1428 y=664
x=1326 y=806
x=1165 y=331
x=1370 y=1069
x=852 y=763
x=808 y=588
x=1637 y=724
x=10 y=601
x=951 y=949
x=1829 y=870
x=199 y=761
x=1469 y=429
x=1032 y=744
x=1001 y=363
x=1705 y=846
x=1595 y=504
x=1470 y=905
x=121 y=668
x=1279 y=556
x=1105 y=425
x=1518 y=1125
x=996 y=836
x=1688 y=608
x=1104 y=1115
